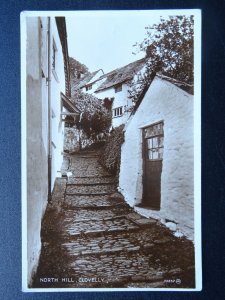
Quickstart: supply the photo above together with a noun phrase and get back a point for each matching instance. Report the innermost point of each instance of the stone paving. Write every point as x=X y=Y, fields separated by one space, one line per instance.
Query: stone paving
x=92 y=239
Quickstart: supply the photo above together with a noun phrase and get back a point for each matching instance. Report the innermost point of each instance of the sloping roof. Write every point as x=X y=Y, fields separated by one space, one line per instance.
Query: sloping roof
x=189 y=88
x=69 y=105
x=121 y=74
x=78 y=84
x=61 y=25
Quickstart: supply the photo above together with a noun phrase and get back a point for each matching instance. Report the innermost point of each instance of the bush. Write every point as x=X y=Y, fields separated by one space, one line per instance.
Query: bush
x=111 y=153
x=95 y=117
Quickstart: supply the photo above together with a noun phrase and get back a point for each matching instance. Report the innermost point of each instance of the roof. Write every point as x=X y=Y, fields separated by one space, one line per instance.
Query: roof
x=121 y=75
x=78 y=84
x=61 y=25
x=184 y=86
x=189 y=88
x=69 y=105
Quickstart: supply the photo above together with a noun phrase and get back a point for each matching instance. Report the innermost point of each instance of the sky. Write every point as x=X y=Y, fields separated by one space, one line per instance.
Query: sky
x=103 y=40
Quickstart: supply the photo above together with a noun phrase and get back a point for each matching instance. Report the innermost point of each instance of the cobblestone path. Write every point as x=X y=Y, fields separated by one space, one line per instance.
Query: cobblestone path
x=92 y=238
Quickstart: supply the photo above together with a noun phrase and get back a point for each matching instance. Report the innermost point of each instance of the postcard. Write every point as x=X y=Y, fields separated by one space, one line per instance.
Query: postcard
x=111 y=150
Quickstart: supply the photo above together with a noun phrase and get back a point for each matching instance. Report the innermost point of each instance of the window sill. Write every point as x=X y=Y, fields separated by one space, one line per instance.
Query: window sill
x=117 y=117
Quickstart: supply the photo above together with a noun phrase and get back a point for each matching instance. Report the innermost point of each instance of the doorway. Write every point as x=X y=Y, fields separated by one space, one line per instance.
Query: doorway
x=153 y=143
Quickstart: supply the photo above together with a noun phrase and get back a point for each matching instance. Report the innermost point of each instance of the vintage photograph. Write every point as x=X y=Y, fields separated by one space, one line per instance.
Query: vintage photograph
x=111 y=150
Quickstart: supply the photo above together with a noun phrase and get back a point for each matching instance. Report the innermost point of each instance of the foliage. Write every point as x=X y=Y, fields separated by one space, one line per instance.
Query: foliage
x=76 y=68
x=111 y=153
x=168 y=48
x=95 y=117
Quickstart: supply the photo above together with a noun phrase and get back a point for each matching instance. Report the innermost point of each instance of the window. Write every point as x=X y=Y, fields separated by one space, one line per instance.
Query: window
x=154 y=138
x=89 y=87
x=118 y=88
x=54 y=50
x=117 y=112
x=54 y=62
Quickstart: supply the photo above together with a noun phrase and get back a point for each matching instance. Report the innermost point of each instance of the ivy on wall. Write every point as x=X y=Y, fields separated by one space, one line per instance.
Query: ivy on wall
x=111 y=152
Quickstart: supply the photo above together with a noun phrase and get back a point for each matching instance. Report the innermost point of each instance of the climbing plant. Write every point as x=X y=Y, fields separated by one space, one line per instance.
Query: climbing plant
x=95 y=117
x=111 y=153
x=168 y=47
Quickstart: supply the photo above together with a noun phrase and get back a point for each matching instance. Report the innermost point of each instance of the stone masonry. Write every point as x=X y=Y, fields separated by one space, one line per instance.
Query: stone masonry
x=92 y=239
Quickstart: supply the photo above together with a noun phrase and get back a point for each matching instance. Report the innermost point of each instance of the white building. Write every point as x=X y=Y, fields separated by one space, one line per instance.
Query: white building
x=157 y=159
x=88 y=83
x=47 y=82
x=114 y=87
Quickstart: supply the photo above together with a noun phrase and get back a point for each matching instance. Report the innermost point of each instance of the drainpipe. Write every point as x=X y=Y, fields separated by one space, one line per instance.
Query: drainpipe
x=49 y=114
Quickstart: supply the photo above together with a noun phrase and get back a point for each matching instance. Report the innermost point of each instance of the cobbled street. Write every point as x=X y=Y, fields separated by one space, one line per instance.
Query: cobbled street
x=91 y=238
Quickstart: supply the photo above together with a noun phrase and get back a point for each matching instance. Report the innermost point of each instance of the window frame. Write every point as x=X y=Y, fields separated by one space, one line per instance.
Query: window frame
x=54 y=55
x=117 y=112
x=88 y=87
x=152 y=133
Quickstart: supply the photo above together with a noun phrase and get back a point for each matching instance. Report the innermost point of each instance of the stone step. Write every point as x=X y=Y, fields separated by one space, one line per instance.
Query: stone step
x=90 y=189
x=75 y=249
x=91 y=180
x=74 y=228
x=100 y=178
x=100 y=205
x=83 y=167
x=96 y=214
x=78 y=160
x=91 y=172
x=94 y=201
x=88 y=156
x=118 y=270
x=84 y=152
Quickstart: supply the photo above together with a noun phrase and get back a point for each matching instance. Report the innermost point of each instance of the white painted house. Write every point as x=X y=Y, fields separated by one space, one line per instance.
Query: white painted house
x=47 y=84
x=157 y=159
x=114 y=87
x=88 y=83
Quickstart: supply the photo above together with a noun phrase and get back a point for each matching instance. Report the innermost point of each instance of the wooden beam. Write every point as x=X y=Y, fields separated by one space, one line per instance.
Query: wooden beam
x=69 y=114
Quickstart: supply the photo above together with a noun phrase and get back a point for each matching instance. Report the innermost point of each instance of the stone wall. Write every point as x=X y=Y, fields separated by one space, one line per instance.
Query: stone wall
x=71 y=139
x=75 y=140
x=163 y=102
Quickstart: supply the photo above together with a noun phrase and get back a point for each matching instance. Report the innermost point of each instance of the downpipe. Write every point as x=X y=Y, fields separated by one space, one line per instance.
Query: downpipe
x=49 y=115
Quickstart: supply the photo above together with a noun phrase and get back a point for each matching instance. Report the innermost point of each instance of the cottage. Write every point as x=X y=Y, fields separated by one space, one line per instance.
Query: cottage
x=88 y=83
x=157 y=159
x=47 y=87
x=114 y=87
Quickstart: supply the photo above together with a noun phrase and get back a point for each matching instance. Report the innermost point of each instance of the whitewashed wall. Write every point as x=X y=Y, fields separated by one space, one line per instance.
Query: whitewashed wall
x=120 y=99
x=37 y=128
x=163 y=101
x=37 y=140
x=95 y=83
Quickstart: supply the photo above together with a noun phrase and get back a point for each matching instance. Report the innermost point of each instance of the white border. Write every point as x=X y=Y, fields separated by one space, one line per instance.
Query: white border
x=23 y=150
x=197 y=143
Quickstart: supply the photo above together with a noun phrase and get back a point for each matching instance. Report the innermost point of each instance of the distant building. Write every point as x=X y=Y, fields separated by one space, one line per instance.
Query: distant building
x=87 y=83
x=47 y=97
x=157 y=158
x=114 y=87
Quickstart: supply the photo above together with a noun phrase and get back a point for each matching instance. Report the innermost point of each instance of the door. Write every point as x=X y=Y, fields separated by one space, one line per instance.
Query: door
x=153 y=155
